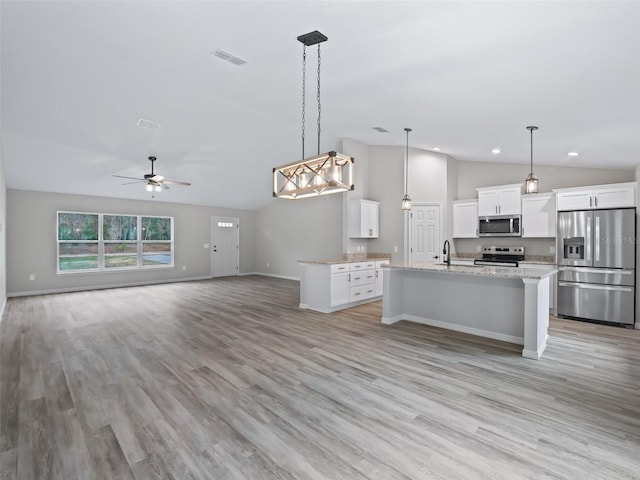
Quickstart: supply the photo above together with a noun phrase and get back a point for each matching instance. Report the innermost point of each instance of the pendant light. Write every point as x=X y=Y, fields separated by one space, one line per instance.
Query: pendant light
x=531 y=183
x=406 y=200
x=325 y=173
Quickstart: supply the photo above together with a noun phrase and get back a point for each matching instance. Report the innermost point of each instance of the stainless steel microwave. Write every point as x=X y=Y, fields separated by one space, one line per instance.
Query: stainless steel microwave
x=502 y=226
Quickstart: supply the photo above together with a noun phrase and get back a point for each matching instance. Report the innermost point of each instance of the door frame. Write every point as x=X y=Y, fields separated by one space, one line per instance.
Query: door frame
x=214 y=220
x=407 y=227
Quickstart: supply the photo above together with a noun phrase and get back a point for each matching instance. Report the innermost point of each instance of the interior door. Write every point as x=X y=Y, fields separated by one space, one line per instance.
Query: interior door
x=225 y=246
x=425 y=234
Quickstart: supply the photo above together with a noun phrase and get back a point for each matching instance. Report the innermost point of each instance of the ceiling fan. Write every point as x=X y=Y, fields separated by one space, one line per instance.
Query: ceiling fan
x=154 y=182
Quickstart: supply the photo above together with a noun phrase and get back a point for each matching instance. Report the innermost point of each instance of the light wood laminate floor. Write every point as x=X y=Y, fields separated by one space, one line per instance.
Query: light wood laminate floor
x=228 y=379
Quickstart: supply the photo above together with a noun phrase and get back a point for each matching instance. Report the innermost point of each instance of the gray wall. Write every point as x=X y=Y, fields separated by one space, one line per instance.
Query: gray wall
x=360 y=153
x=291 y=230
x=31 y=241
x=3 y=235
x=472 y=175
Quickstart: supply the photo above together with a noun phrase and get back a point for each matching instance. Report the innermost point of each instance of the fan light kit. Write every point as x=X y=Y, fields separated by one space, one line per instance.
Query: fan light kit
x=153 y=182
x=322 y=174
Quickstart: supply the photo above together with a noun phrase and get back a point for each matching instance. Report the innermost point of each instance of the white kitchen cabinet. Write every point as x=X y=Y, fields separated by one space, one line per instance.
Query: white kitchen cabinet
x=465 y=219
x=619 y=195
x=500 y=200
x=340 y=289
x=380 y=276
x=539 y=215
x=364 y=218
x=328 y=287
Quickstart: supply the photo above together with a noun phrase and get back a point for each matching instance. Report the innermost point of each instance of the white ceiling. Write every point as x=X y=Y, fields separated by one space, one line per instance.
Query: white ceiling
x=466 y=76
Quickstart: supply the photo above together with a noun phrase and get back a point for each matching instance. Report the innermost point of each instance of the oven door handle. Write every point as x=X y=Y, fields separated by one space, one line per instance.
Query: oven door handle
x=590 y=286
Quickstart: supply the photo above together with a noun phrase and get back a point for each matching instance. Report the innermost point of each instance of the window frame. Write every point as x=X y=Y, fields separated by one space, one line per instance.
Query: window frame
x=101 y=242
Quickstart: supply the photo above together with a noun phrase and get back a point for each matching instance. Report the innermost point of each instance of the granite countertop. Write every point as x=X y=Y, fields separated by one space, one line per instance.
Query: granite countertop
x=350 y=258
x=477 y=270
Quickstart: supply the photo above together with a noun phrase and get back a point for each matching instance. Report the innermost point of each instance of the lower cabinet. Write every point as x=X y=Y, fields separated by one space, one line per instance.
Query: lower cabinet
x=328 y=288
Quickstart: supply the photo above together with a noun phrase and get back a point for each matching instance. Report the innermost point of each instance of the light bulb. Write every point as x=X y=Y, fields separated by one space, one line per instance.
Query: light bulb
x=158 y=188
x=149 y=187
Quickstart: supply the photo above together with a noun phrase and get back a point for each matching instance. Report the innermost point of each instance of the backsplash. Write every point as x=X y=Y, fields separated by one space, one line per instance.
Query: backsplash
x=536 y=247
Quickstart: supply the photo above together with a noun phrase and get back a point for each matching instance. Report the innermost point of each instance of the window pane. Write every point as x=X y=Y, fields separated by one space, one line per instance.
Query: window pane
x=156 y=228
x=77 y=256
x=77 y=226
x=119 y=227
x=120 y=255
x=156 y=254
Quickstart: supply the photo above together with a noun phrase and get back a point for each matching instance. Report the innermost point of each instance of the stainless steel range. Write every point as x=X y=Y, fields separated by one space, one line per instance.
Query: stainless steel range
x=501 y=256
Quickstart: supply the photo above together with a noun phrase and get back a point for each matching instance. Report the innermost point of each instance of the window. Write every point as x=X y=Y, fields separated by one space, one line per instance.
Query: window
x=105 y=242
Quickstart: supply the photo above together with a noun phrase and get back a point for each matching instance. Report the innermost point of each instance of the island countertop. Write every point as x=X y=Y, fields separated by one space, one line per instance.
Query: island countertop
x=477 y=270
x=349 y=258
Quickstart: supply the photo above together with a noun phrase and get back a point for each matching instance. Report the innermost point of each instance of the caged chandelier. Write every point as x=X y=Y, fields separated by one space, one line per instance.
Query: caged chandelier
x=330 y=172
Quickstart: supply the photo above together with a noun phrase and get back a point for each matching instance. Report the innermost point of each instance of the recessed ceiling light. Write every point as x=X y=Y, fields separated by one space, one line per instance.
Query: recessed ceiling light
x=380 y=129
x=573 y=154
x=496 y=151
x=436 y=149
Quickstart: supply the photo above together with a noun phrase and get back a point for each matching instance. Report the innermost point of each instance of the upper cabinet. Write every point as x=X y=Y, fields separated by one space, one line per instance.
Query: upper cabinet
x=539 y=215
x=364 y=218
x=502 y=200
x=465 y=219
x=600 y=196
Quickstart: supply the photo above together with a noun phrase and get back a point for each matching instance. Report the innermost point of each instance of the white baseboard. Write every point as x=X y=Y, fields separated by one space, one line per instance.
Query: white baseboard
x=458 y=328
x=4 y=304
x=103 y=287
x=535 y=354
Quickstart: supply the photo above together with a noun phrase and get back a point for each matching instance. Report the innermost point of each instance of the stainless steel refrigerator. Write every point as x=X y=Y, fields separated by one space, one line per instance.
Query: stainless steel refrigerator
x=596 y=251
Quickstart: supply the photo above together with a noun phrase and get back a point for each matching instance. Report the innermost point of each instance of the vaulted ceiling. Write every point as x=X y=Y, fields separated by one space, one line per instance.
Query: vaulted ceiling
x=466 y=76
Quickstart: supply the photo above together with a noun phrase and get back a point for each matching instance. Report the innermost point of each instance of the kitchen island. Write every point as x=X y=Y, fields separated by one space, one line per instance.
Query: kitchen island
x=503 y=303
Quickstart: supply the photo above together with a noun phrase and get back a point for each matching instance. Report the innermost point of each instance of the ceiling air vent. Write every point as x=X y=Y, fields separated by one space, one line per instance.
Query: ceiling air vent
x=380 y=129
x=148 y=124
x=229 y=57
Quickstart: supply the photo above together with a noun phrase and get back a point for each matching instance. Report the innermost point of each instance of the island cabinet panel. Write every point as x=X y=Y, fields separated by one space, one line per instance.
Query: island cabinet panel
x=340 y=289
x=465 y=219
x=619 y=195
x=364 y=219
x=501 y=200
x=539 y=215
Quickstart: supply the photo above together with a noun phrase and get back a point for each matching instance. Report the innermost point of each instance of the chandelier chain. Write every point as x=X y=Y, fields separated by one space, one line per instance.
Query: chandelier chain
x=318 y=97
x=304 y=83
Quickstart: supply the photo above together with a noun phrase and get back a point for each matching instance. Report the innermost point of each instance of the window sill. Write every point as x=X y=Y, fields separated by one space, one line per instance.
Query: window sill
x=115 y=270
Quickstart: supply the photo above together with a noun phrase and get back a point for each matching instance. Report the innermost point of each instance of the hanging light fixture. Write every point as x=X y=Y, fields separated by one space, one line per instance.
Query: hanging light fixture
x=406 y=200
x=330 y=172
x=531 y=183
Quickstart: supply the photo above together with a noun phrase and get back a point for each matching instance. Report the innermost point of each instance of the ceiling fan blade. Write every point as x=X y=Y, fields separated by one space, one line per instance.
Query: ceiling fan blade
x=130 y=178
x=131 y=183
x=174 y=182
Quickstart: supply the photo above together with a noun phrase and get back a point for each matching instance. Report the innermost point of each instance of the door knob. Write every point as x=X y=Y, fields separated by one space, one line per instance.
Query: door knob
x=436 y=256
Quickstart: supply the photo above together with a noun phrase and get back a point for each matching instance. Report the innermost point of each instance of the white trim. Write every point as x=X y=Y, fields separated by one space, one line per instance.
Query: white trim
x=457 y=328
x=533 y=353
x=104 y=287
x=4 y=304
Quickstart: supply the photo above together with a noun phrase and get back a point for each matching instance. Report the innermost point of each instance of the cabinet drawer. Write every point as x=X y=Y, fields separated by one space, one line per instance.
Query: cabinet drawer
x=382 y=263
x=340 y=268
x=354 y=267
x=363 y=277
x=362 y=292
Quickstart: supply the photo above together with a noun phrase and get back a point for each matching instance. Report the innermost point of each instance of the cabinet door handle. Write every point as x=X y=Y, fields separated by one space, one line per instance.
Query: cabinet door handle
x=596 y=200
x=591 y=201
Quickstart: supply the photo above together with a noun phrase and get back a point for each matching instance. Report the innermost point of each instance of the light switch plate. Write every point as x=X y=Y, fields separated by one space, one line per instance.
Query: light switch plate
x=552 y=249
x=206 y=245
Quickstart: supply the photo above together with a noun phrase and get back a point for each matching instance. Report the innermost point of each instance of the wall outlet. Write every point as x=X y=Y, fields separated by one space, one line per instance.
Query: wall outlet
x=479 y=248
x=32 y=276
x=552 y=249
x=395 y=248
x=184 y=267
x=206 y=245
x=268 y=264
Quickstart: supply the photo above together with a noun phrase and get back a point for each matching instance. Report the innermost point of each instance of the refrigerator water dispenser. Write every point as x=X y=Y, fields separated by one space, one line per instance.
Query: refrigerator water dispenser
x=574 y=248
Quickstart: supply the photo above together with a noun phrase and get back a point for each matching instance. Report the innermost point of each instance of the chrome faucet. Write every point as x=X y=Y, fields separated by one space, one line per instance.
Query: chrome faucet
x=446 y=253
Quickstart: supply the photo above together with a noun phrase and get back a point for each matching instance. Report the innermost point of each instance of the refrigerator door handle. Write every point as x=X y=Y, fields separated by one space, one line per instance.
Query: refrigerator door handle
x=590 y=286
x=597 y=270
x=587 y=246
x=596 y=239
